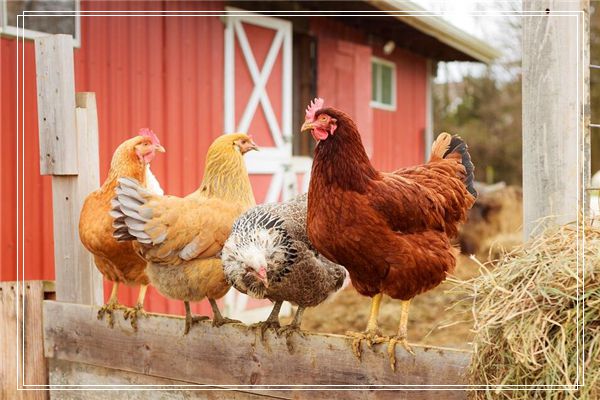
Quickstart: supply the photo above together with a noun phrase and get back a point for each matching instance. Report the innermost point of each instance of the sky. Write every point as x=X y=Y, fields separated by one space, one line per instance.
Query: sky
x=489 y=28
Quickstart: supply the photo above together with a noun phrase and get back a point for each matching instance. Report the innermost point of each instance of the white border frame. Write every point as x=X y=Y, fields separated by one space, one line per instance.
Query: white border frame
x=392 y=65
x=20 y=244
x=23 y=33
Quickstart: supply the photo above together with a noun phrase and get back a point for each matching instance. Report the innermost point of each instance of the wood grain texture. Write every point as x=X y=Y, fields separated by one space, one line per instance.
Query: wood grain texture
x=554 y=91
x=32 y=367
x=77 y=279
x=231 y=355
x=55 y=75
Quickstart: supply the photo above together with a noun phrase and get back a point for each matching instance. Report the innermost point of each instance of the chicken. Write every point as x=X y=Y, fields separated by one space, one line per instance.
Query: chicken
x=180 y=238
x=118 y=262
x=393 y=229
x=268 y=255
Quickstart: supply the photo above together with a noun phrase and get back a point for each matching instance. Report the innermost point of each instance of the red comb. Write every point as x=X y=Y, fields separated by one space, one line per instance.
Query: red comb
x=313 y=107
x=148 y=133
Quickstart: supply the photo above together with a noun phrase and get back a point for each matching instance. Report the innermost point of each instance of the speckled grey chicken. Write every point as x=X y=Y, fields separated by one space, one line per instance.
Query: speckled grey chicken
x=268 y=255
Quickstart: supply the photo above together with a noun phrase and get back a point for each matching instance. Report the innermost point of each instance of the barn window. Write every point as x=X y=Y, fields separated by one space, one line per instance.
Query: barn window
x=46 y=18
x=383 y=84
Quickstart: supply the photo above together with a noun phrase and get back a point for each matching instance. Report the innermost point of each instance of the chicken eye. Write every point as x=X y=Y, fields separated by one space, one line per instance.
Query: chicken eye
x=323 y=118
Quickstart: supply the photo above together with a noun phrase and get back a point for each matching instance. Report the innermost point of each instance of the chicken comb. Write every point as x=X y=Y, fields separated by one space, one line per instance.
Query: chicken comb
x=313 y=107
x=149 y=133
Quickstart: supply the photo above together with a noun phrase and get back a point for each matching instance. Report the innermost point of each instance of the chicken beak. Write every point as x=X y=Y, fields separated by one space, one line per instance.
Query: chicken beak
x=307 y=126
x=159 y=148
x=253 y=146
x=262 y=275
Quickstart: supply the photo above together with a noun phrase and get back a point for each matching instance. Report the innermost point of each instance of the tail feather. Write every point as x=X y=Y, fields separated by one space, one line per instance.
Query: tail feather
x=440 y=146
x=458 y=145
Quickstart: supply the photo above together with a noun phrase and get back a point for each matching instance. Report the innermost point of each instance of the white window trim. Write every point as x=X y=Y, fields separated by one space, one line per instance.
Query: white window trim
x=10 y=30
x=392 y=65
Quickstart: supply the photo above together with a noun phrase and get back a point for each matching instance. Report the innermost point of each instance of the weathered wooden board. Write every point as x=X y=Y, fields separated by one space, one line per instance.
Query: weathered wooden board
x=27 y=323
x=555 y=97
x=56 y=104
x=232 y=355
x=72 y=373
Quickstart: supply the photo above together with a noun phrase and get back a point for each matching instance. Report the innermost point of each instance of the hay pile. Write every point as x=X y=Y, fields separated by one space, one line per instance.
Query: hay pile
x=525 y=313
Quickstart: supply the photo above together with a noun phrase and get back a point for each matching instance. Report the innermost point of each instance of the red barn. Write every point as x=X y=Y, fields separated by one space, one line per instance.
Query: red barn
x=205 y=68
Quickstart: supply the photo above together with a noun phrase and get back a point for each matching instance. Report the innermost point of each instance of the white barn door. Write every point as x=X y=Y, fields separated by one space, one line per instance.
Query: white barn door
x=258 y=101
x=258 y=97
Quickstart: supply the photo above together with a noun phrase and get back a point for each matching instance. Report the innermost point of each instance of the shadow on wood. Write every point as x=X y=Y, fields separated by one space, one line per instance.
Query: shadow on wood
x=233 y=357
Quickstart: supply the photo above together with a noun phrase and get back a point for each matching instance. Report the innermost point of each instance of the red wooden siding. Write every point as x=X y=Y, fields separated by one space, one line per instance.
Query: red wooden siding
x=393 y=139
x=165 y=73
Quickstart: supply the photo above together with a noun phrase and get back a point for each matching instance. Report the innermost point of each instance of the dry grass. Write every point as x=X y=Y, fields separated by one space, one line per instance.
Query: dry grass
x=528 y=325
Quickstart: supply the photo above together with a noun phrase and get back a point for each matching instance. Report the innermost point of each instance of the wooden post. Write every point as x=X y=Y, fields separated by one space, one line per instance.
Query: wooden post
x=555 y=89
x=68 y=152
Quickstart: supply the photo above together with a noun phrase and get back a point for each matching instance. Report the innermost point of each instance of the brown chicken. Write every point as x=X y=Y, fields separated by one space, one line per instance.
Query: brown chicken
x=394 y=228
x=181 y=237
x=118 y=261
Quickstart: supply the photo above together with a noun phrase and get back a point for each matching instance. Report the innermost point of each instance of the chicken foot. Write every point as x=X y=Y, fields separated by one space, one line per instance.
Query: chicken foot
x=111 y=306
x=400 y=337
x=131 y=313
x=272 y=322
x=294 y=327
x=218 y=318
x=372 y=335
x=191 y=319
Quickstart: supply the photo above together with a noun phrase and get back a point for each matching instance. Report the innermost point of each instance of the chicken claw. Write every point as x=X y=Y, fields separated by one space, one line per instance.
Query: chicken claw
x=264 y=326
x=288 y=331
x=191 y=320
x=132 y=315
x=371 y=338
x=392 y=349
x=108 y=310
x=218 y=318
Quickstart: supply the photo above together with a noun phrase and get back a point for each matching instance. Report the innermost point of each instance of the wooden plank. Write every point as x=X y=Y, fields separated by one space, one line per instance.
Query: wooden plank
x=72 y=373
x=88 y=180
x=553 y=112
x=56 y=105
x=77 y=279
x=232 y=355
x=32 y=365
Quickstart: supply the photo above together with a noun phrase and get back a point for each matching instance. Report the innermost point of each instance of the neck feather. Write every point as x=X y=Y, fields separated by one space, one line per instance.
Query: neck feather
x=226 y=177
x=341 y=159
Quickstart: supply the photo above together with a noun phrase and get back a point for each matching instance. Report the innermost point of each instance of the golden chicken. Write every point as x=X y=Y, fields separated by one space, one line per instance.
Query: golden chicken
x=181 y=237
x=118 y=261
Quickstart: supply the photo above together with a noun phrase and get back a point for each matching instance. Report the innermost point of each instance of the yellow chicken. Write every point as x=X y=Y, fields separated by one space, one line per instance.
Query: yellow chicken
x=181 y=237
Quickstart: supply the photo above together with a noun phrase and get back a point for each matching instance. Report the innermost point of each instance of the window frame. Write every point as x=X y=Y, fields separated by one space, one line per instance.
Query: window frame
x=10 y=30
x=376 y=103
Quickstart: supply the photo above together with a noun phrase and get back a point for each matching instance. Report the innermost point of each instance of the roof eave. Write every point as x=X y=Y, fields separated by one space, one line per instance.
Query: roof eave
x=440 y=29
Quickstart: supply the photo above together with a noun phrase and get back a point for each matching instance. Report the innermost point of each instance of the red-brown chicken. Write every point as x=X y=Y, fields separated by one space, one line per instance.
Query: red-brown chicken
x=393 y=229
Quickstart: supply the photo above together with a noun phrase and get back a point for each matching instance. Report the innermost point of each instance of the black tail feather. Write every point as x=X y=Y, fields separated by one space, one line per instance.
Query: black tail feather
x=457 y=145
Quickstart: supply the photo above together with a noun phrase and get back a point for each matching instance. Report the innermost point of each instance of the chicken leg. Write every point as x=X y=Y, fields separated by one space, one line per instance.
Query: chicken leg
x=111 y=306
x=218 y=318
x=272 y=322
x=291 y=328
x=191 y=319
x=131 y=313
x=372 y=334
x=400 y=337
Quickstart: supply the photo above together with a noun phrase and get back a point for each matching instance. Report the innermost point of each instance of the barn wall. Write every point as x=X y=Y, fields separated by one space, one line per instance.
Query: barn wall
x=166 y=73
x=157 y=72
x=393 y=139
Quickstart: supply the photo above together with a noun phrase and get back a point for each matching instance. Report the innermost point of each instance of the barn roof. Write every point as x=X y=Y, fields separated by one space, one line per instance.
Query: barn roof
x=439 y=29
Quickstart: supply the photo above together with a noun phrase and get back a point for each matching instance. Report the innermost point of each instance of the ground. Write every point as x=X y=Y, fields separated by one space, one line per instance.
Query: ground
x=432 y=320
